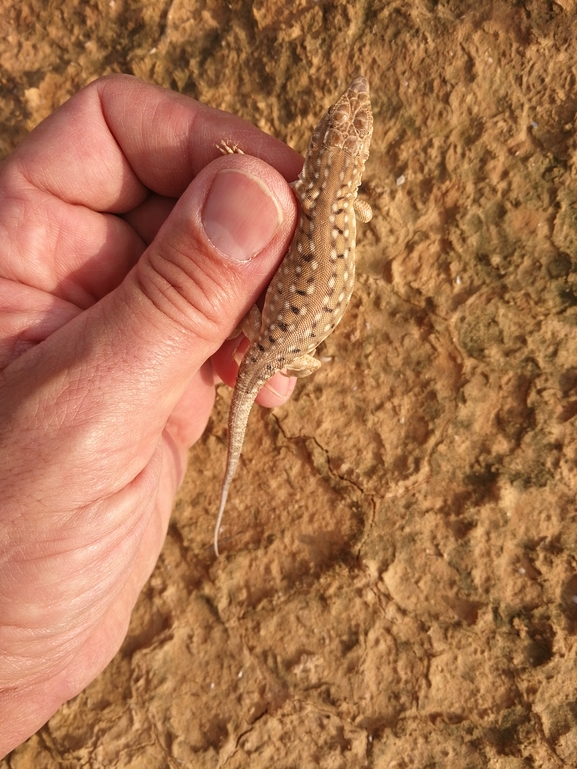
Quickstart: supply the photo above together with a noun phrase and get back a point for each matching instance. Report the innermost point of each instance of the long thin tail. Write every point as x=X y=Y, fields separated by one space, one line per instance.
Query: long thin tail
x=238 y=414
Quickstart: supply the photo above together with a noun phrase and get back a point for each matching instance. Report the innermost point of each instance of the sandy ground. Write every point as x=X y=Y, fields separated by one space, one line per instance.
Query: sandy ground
x=399 y=579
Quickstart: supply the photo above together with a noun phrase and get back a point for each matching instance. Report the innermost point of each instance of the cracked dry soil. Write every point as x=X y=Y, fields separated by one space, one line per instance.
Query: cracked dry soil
x=399 y=581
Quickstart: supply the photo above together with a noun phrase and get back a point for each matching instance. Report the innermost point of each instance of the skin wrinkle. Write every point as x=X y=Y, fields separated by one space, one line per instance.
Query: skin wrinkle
x=102 y=103
x=187 y=314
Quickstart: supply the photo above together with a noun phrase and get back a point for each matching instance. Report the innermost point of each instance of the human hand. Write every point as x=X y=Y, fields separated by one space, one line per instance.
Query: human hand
x=115 y=215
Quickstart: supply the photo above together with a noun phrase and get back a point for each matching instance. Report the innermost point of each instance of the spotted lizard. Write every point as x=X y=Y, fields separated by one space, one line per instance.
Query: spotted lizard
x=311 y=288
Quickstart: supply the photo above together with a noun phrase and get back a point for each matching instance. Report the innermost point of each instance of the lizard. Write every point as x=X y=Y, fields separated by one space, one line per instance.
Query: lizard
x=311 y=288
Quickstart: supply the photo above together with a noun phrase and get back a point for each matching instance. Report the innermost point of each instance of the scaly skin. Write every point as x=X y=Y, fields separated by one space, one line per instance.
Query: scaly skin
x=311 y=288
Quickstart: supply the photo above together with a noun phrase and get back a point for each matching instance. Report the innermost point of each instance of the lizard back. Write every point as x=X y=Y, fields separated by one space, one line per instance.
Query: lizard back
x=311 y=289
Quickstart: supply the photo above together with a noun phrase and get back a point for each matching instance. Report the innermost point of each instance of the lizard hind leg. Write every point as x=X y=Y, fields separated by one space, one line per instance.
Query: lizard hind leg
x=302 y=366
x=249 y=325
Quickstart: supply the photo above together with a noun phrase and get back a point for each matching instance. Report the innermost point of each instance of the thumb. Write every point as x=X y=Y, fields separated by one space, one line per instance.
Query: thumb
x=210 y=261
x=214 y=255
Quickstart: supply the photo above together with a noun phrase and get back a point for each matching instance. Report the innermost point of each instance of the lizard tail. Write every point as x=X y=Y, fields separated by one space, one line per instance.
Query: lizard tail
x=239 y=411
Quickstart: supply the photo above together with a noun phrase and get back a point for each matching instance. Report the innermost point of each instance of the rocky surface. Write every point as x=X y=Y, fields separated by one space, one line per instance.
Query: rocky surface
x=399 y=579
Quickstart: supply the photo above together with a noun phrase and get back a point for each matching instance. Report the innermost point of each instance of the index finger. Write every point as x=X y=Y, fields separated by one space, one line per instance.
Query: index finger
x=119 y=137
